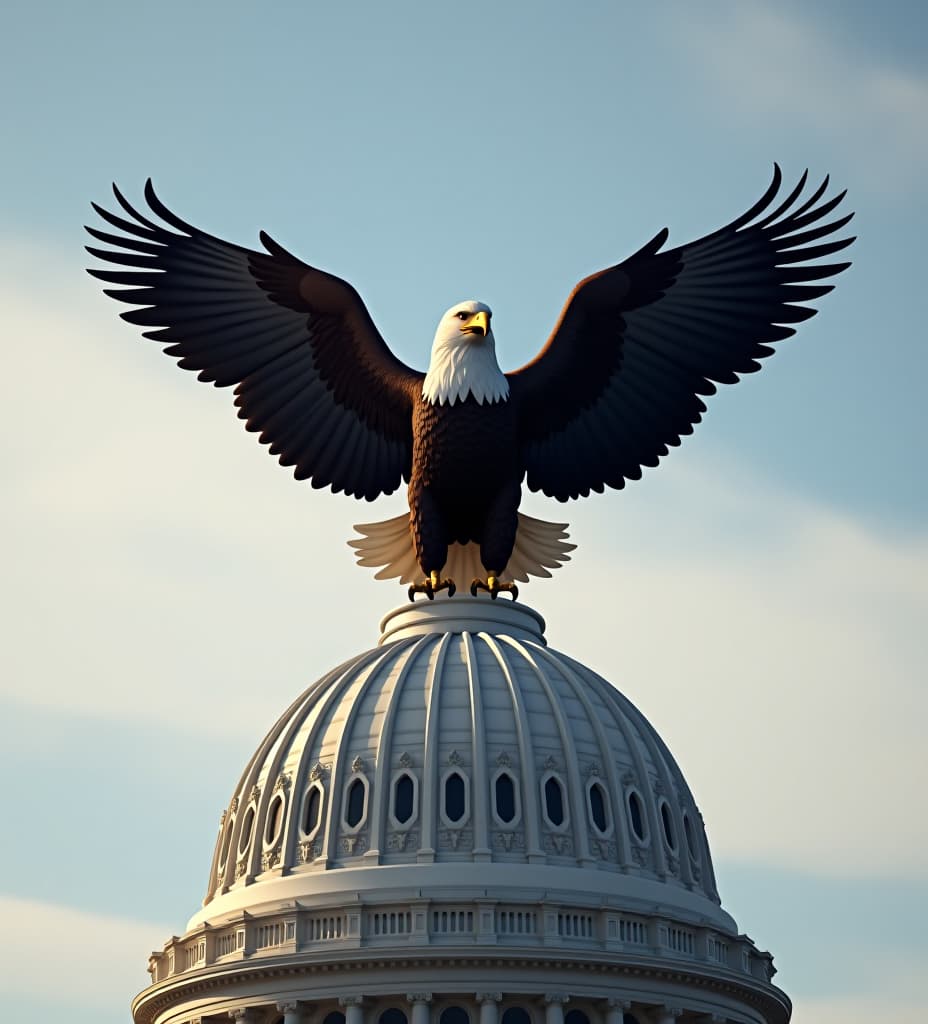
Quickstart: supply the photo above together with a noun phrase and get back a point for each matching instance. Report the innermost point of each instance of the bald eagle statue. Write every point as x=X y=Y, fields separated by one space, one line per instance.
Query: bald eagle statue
x=620 y=379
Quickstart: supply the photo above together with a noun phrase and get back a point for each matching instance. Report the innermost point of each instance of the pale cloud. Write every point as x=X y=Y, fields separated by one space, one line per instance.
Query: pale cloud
x=104 y=962
x=769 y=63
x=163 y=568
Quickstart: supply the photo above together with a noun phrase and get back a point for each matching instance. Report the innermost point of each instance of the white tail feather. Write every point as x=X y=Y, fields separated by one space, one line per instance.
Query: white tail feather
x=387 y=546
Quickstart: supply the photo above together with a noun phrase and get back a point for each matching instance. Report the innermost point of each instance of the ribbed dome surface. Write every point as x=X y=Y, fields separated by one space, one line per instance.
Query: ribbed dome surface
x=462 y=750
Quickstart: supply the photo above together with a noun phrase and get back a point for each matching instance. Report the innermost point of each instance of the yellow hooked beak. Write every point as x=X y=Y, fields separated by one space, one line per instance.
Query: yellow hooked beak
x=478 y=324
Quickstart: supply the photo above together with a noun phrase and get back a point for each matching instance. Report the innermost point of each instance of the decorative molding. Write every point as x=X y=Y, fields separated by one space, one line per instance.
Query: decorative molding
x=351 y=1001
x=398 y=841
x=358 y=765
x=255 y=794
x=593 y=770
x=504 y=760
x=640 y=856
x=308 y=851
x=508 y=840
x=240 y=869
x=353 y=844
x=222 y=818
x=283 y=783
x=557 y=997
x=559 y=843
x=233 y=807
x=319 y=771
x=454 y=758
x=419 y=997
x=405 y=760
x=551 y=764
x=488 y=997
x=270 y=858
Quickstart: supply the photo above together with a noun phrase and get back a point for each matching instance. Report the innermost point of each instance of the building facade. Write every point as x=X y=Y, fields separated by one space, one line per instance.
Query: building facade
x=461 y=826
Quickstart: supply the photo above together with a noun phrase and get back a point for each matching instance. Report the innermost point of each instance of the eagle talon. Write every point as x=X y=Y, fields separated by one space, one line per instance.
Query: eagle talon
x=494 y=587
x=431 y=585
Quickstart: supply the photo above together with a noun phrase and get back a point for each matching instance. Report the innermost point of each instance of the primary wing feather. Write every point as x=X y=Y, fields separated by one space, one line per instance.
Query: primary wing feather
x=620 y=379
x=312 y=374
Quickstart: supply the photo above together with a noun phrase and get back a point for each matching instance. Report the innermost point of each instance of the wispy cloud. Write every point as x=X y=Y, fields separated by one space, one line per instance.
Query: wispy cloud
x=114 y=971
x=769 y=63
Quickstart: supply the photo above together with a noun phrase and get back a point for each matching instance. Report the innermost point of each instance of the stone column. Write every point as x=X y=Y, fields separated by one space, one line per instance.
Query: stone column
x=554 y=1007
x=292 y=1011
x=489 y=1006
x=354 y=1009
x=616 y=1010
x=420 y=1006
x=667 y=1015
x=243 y=1015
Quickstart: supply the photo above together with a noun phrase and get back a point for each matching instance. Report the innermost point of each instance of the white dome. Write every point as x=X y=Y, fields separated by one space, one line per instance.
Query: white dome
x=461 y=824
x=462 y=740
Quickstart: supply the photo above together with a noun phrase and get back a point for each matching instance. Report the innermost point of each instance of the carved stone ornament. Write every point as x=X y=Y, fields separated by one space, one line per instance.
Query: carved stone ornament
x=551 y=763
x=452 y=838
x=508 y=840
x=308 y=851
x=319 y=771
x=233 y=807
x=454 y=758
x=270 y=858
x=504 y=760
x=405 y=760
x=240 y=869
x=358 y=765
x=657 y=786
x=400 y=841
x=255 y=795
x=353 y=844
x=488 y=997
x=593 y=770
x=628 y=778
x=222 y=818
x=560 y=844
x=351 y=1001
x=419 y=997
x=282 y=784
x=673 y=864
x=605 y=847
x=640 y=855
x=557 y=997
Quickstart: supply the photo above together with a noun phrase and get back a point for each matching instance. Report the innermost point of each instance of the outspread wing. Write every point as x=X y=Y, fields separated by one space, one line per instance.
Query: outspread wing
x=621 y=376
x=314 y=377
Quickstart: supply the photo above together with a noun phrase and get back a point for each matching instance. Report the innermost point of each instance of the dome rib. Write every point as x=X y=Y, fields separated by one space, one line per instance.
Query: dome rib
x=385 y=744
x=579 y=688
x=428 y=841
x=530 y=801
x=482 y=848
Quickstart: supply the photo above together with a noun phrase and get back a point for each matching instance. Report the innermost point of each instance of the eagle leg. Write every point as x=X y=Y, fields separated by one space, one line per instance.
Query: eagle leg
x=493 y=585
x=431 y=585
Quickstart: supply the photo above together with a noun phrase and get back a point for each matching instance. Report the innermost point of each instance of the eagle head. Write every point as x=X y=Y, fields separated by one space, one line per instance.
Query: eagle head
x=464 y=358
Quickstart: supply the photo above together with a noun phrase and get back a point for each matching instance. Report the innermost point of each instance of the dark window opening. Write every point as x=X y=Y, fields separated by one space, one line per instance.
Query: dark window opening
x=455 y=797
x=576 y=1017
x=274 y=819
x=355 y=810
x=598 y=807
x=516 y=1015
x=247 y=825
x=505 y=798
x=690 y=838
x=312 y=809
x=668 y=826
x=629 y=1018
x=554 y=802
x=403 y=799
x=634 y=809
x=454 y=1015
x=393 y=1016
x=335 y=1017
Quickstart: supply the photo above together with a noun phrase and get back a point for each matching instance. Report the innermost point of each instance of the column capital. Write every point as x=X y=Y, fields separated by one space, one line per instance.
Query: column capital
x=419 y=997
x=351 y=1001
x=619 y=1004
x=488 y=997
x=557 y=997
x=290 y=1006
x=243 y=1015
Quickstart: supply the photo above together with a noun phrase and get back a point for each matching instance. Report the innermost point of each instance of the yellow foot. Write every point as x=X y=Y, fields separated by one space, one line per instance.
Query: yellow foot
x=431 y=586
x=493 y=585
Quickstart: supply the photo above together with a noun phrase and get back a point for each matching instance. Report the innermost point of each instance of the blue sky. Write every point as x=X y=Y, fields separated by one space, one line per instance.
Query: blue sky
x=761 y=597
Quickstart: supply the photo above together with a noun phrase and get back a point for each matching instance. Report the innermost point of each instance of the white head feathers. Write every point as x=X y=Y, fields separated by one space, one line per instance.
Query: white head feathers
x=464 y=359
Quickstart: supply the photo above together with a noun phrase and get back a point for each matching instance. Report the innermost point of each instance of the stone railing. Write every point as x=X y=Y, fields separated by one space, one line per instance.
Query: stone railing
x=480 y=923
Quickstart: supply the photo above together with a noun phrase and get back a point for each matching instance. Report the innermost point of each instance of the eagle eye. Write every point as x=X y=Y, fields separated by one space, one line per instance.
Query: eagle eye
x=462 y=315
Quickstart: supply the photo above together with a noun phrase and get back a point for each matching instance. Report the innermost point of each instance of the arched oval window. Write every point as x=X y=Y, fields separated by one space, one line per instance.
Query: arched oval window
x=404 y=798
x=634 y=812
x=690 y=836
x=554 y=801
x=576 y=1017
x=312 y=809
x=599 y=813
x=247 y=826
x=629 y=1018
x=392 y=1016
x=667 y=822
x=504 y=793
x=335 y=1017
x=354 y=803
x=516 y=1015
x=454 y=1015
x=275 y=819
x=455 y=797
